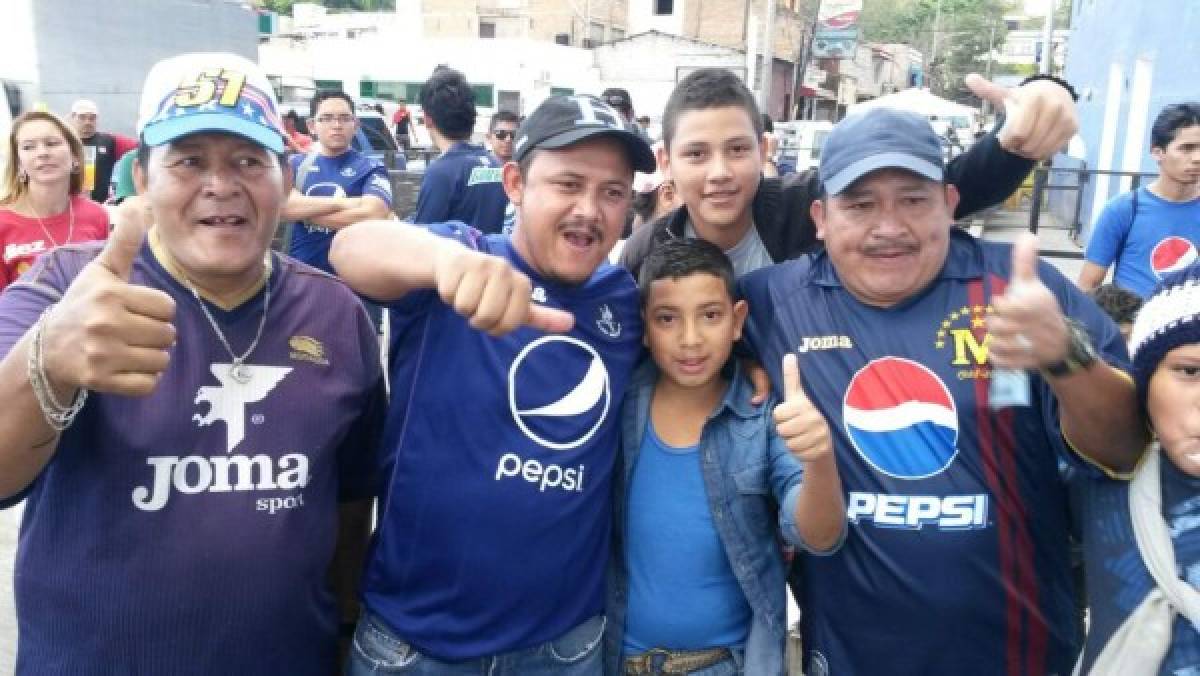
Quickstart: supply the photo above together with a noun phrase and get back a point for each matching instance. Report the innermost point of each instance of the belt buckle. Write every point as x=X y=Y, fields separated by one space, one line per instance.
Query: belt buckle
x=651 y=662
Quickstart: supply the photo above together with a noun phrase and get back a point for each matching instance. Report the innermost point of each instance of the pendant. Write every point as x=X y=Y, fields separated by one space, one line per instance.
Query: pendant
x=240 y=373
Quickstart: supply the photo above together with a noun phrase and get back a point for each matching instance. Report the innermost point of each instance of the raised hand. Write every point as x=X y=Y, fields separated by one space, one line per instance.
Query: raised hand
x=798 y=422
x=106 y=334
x=1039 y=117
x=1028 y=330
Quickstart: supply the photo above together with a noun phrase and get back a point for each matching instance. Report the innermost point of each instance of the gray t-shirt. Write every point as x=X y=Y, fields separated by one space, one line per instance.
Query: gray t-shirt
x=748 y=255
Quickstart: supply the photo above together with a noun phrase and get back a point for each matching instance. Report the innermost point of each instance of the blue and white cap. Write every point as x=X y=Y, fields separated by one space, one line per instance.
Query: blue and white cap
x=880 y=138
x=1169 y=318
x=200 y=92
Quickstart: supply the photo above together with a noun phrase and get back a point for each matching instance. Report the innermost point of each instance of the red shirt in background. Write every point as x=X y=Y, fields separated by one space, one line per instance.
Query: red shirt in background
x=22 y=239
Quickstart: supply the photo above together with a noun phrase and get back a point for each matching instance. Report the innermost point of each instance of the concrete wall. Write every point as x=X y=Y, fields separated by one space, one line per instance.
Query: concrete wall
x=103 y=50
x=1127 y=62
x=642 y=18
x=531 y=67
x=649 y=65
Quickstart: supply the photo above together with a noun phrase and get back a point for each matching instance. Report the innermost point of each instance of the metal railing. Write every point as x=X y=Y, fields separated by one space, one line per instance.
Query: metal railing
x=1041 y=184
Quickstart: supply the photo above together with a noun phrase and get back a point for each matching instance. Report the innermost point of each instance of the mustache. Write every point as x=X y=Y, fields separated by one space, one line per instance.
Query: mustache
x=589 y=228
x=899 y=246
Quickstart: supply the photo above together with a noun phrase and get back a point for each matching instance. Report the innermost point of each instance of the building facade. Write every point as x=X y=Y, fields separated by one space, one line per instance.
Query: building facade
x=1127 y=63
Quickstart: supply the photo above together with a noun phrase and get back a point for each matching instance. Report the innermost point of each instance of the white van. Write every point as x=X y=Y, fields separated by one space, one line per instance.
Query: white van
x=800 y=143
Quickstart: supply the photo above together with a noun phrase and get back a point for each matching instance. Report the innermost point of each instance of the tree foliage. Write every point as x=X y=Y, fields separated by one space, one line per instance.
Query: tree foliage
x=963 y=35
x=285 y=6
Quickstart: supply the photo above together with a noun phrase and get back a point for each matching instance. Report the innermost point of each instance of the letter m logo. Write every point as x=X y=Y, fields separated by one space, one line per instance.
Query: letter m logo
x=964 y=342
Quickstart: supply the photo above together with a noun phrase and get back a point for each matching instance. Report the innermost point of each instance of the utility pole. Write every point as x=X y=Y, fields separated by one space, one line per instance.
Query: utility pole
x=1048 y=38
x=764 y=103
x=937 y=27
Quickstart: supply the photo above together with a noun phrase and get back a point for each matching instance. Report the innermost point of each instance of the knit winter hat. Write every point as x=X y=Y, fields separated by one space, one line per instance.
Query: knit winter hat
x=1168 y=319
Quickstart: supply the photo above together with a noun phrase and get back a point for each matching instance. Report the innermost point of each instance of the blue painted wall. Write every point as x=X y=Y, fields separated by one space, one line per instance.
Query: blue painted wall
x=1104 y=32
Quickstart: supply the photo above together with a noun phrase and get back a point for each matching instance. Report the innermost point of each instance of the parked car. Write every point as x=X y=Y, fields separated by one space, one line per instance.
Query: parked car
x=373 y=138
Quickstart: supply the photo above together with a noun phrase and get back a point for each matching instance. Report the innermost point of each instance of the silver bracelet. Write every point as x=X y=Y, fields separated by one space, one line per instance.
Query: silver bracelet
x=58 y=415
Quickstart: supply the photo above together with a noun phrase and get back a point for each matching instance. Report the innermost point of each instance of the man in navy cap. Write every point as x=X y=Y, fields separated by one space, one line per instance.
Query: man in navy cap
x=956 y=375
x=511 y=354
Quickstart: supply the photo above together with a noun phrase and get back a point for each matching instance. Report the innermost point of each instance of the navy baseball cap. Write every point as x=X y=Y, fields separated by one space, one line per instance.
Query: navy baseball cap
x=562 y=121
x=880 y=138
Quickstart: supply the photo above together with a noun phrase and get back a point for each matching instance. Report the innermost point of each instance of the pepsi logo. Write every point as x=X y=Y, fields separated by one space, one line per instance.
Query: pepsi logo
x=1171 y=254
x=325 y=189
x=901 y=419
x=559 y=392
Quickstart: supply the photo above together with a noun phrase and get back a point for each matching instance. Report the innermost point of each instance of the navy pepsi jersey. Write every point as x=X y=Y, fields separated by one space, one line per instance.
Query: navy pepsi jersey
x=493 y=535
x=956 y=557
x=463 y=185
x=191 y=531
x=1117 y=578
x=351 y=174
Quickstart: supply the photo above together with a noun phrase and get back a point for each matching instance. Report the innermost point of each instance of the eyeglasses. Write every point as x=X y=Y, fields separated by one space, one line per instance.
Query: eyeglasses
x=340 y=119
x=503 y=134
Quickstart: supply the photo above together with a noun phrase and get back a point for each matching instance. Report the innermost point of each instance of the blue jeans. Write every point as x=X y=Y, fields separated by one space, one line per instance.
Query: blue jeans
x=376 y=650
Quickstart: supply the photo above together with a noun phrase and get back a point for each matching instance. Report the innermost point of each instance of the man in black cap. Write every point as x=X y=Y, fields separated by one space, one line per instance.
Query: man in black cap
x=510 y=357
x=619 y=98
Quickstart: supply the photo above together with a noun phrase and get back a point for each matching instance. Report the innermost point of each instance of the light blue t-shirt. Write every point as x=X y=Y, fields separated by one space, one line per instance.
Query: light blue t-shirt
x=1163 y=238
x=682 y=593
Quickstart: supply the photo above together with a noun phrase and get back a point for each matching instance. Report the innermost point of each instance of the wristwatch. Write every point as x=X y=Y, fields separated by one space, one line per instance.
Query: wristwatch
x=1080 y=352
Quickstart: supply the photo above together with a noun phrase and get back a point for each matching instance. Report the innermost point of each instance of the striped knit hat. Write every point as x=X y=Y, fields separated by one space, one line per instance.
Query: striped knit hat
x=1169 y=318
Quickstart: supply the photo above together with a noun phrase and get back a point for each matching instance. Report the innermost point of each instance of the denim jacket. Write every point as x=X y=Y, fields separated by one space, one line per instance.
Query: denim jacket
x=752 y=482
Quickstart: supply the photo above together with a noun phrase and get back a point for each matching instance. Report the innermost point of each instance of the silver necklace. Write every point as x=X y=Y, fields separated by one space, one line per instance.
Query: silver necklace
x=238 y=370
x=70 y=227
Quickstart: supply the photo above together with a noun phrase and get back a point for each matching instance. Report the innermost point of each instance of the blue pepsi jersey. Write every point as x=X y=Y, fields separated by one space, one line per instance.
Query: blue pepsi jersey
x=351 y=174
x=956 y=558
x=463 y=185
x=191 y=531
x=1117 y=578
x=1159 y=239
x=493 y=535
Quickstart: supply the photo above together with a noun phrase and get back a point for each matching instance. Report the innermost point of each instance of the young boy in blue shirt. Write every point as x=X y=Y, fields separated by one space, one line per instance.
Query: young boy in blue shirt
x=706 y=482
x=1140 y=539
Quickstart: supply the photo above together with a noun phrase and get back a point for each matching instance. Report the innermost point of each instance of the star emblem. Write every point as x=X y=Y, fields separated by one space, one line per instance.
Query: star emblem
x=978 y=323
x=248 y=110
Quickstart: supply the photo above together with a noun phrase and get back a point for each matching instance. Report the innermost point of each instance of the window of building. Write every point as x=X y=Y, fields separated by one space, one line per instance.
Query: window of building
x=487 y=29
x=596 y=33
x=664 y=7
x=618 y=34
x=485 y=95
x=390 y=90
x=562 y=39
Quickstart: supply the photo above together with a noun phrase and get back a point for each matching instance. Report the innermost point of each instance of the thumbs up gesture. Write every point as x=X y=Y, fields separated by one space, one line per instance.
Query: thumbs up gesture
x=492 y=294
x=1039 y=117
x=106 y=334
x=798 y=422
x=1028 y=329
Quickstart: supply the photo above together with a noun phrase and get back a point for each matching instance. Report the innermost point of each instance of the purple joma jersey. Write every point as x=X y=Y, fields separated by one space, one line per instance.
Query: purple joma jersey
x=190 y=531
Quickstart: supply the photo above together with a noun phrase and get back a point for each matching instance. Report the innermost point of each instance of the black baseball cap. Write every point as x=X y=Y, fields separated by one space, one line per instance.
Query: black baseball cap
x=618 y=98
x=562 y=121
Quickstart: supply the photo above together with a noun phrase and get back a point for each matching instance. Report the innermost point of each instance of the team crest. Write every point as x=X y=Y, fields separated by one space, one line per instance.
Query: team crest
x=963 y=331
x=349 y=172
x=306 y=348
x=607 y=324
